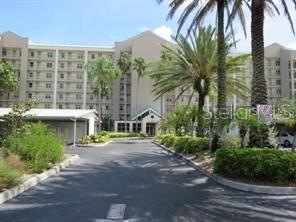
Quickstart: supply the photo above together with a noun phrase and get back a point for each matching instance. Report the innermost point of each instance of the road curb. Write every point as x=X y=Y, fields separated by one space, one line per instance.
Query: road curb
x=33 y=181
x=259 y=189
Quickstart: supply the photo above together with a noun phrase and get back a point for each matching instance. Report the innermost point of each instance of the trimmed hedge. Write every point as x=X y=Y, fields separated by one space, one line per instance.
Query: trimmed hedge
x=93 y=139
x=184 y=144
x=36 y=145
x=259 y=165
x=123 y=134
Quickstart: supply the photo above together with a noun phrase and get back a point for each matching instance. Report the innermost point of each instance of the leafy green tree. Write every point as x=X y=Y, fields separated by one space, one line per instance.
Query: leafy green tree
x=140 y=66
x=125 y=64
x=101 y=73
x=15 y=119
x=194 y=65
x=8 y=81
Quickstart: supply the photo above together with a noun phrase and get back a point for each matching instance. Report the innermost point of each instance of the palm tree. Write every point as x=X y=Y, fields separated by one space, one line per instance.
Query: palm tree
x=140 y=67
x=124 y=63
x=205 y=8
x=259 y=88
x=101 y=74
x=194 y=65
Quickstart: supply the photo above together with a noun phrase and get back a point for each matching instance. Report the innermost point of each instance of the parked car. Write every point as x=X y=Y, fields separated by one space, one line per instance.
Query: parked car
x=286 y=139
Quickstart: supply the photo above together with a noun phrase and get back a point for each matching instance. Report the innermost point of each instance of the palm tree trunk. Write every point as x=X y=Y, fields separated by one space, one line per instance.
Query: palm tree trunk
x=137 y=102
x=259 y=88
x=100 y=111
x=221 y=61
x=200 y=120
x=125 y=106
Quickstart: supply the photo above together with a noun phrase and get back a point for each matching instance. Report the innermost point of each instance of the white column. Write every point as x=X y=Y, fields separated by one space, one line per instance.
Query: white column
x=131 y=126
x=143 y=127
x=85 y=80
x=91 y=126
x=74 y=133
x=115 y=126
x=55 y=85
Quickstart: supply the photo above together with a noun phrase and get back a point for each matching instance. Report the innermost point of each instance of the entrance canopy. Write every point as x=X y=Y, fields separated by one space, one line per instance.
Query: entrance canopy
x=145 y=113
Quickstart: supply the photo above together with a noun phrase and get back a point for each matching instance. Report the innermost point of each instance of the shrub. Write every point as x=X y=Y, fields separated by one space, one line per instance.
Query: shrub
x=124 y=134
x=264 y=165
x=184 y=144
x=8 y=176
x=14 y=162
x=93 y=139
x=229 y=142
x=36 y=145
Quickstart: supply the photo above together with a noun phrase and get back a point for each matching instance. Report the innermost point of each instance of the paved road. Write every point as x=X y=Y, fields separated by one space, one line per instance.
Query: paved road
x=149 y=185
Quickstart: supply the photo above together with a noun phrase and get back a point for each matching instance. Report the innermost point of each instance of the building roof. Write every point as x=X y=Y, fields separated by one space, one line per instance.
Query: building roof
x=146 y=112
x=56 y=114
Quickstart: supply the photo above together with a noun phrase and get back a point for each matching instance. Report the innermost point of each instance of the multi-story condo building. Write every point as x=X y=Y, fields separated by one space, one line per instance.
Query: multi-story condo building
x=56 y=76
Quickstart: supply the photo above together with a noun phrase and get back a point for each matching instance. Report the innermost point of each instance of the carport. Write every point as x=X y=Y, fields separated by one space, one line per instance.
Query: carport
x=69 y=124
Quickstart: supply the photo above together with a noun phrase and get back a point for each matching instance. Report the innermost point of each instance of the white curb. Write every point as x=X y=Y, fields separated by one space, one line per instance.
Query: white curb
x=94 y=144
x=33 y=181
x=260 y=189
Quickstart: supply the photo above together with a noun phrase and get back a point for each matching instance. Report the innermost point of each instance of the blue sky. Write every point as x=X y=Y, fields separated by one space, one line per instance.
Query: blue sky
x=101 y=22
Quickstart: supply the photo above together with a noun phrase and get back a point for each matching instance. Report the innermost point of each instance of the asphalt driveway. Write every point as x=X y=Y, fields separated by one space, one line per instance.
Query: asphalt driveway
x=134 y=180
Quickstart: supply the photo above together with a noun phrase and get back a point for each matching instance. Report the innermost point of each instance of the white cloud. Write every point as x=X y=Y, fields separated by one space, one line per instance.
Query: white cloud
x=164 y=32
x=143 y=29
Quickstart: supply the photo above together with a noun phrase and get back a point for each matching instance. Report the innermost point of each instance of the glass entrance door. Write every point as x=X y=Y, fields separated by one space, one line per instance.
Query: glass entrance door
x=150 y=129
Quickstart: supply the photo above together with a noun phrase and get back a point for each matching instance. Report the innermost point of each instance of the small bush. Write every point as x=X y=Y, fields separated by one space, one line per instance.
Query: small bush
x=184 y=144
x=263 y=165
x=229 y=142
x=14 y=162
x=8 y=176
x=36 y=145
x=124 y=134
x=94 y=139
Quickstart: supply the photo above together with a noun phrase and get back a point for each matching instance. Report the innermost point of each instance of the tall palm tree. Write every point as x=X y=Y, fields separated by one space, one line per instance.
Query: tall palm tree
x=194 y=65
x=259 y=88
x=202 y=9
x=101 y=74
x=140 y=67
x=124 y=63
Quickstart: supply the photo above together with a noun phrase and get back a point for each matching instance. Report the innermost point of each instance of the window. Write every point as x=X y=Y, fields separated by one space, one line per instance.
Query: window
x=79 y=66
x=49 y=65
x=47 y=96
x=278 y=62
x=62 y=76
x=278 y=82
x=61 y=96
x=121 y=108
x=61 y=85
x=80 y=56
x=79 y=76
x=62 y=55
x=30 y=85
x=62 y=65
x=121 y=127
x=31 y=64
x=91 y=107
x=278 y=72
x=78 y=86
x=32 y=54
x=48 y=75
x=48 y=85
x=91 y=97
x=4 y=53
x=107 y=107
x=60 y=106
x=77 y=106
x=50 y=54
x=47 y=106
x=78 y=96
x=93 y=56
x=31 y=75
x=289 y=64
x=29 y=95
x=278 y=91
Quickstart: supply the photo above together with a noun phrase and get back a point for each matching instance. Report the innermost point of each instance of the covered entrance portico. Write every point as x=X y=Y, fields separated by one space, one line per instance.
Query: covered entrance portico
x=147 y=121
